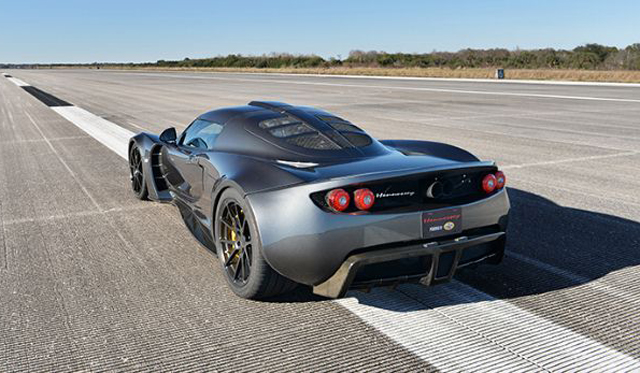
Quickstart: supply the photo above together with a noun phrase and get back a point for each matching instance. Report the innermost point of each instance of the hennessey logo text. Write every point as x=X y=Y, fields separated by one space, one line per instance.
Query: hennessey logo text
x=396 y=194
x=450 y=217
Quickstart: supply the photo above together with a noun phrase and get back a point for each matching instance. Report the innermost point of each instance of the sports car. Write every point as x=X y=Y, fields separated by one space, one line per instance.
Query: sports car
x=288 y=195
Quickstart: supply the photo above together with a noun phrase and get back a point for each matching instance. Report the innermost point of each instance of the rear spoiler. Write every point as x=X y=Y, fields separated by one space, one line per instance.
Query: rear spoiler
x=377 y=175
x=434 y=149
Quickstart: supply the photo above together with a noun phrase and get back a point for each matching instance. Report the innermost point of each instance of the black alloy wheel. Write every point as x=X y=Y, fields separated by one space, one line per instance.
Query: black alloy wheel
x=236 y=243
x=138 y=184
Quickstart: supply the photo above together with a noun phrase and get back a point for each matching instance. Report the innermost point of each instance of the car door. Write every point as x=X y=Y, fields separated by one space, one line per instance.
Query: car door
x=186 y=157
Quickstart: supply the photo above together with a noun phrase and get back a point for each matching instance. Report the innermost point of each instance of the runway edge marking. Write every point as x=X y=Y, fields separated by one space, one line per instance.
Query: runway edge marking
x=453 y=326
x=108 y=133
x=424 y=89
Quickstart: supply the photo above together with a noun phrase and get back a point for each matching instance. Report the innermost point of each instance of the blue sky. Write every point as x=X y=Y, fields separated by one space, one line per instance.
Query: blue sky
x=120 y=31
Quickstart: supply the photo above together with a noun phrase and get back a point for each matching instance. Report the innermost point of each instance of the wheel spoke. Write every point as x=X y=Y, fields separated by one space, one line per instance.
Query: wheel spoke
x=237 y=271
x=231 y=256
x=245 y=229
x=243 y=263
x=230 y=226
x=236 y=217
x=138 y=185
x=247 y=251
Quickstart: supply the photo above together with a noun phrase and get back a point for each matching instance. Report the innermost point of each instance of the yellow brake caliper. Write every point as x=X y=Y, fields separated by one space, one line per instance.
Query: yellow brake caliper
x=234 y=238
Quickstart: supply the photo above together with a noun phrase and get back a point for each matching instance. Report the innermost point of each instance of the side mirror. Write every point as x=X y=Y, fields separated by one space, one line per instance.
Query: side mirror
x=169 y=136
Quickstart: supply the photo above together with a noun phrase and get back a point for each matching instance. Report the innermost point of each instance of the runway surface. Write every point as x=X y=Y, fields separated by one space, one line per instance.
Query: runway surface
x=93 y=279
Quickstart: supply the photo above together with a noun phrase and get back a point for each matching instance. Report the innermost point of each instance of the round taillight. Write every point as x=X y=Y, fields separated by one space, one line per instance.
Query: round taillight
x=363 y=198
x=500 y=180
x=489 y=183
x=338 y=199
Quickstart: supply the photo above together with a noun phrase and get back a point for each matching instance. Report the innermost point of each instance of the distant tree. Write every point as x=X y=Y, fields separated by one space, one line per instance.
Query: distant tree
x=600 y=51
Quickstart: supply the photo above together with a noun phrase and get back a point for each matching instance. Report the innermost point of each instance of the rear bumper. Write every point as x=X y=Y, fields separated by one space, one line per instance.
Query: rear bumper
x=308 y=245
x=434 y=271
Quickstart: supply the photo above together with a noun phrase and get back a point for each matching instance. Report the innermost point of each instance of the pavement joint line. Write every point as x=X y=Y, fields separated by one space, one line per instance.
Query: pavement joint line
x=77 y=214
x=578 y=279
x=425 y=89
x=522 y=115
x=535 y=115
x=136 y=126
x=435 y=123
x=501 y=308
x=557 y=119
x=5 y=264
x=488 y=121
x=597 y=196
x=64 y=163
x=568 y=160
x=62 y=138
x=10 y=116
x=420 y=78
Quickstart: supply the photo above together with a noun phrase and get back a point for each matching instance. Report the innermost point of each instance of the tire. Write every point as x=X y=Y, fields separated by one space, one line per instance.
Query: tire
x=138 y=178
x=240 y=252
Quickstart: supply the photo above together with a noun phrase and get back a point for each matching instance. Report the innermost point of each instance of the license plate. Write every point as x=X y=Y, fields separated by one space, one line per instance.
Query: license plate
x=441 y=222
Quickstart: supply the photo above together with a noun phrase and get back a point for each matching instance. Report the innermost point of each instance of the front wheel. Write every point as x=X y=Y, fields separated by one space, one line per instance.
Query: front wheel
x=240 y=252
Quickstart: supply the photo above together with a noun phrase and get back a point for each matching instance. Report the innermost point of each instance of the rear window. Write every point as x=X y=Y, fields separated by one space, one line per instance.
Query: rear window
x=355 y=135
x=301 y=134
x=338 y=123
x=313 y=141
x=357 y=139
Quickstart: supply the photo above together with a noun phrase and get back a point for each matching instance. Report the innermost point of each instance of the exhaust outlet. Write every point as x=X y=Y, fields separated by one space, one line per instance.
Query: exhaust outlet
x=435 y=190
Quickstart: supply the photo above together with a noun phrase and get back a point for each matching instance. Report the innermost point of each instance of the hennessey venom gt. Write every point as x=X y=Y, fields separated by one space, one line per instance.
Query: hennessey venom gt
x=288 y=195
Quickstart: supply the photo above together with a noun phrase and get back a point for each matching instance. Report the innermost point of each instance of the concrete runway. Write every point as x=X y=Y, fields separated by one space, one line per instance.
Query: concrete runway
x=93 y=279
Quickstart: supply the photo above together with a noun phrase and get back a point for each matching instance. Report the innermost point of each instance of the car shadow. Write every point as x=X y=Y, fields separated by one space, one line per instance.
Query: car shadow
x=549 y=247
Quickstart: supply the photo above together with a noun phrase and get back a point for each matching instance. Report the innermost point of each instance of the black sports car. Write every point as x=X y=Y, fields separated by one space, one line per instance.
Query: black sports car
x=288 y=194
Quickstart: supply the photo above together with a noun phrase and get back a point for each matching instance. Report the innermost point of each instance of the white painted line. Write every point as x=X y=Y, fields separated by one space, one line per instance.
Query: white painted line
x=567 y=160
x=468 y=80
x=18 y=82
x=108 y=133
x=429 y=79
x=457 y=328
x=424 y=89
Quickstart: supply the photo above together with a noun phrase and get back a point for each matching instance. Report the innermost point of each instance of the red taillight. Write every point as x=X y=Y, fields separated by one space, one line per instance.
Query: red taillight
x=363 y=198
x=489 y=183
x=338 y=199
x=500 y=180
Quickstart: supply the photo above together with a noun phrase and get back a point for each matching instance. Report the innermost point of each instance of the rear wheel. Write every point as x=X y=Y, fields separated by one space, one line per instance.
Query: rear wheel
x=240 y=253
x=138 y=182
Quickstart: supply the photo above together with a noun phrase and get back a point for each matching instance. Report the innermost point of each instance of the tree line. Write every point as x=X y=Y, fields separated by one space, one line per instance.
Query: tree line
x=587 y=57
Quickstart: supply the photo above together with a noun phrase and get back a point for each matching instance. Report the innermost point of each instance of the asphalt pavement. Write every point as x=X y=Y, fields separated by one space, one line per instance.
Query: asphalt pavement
x=93 y=279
